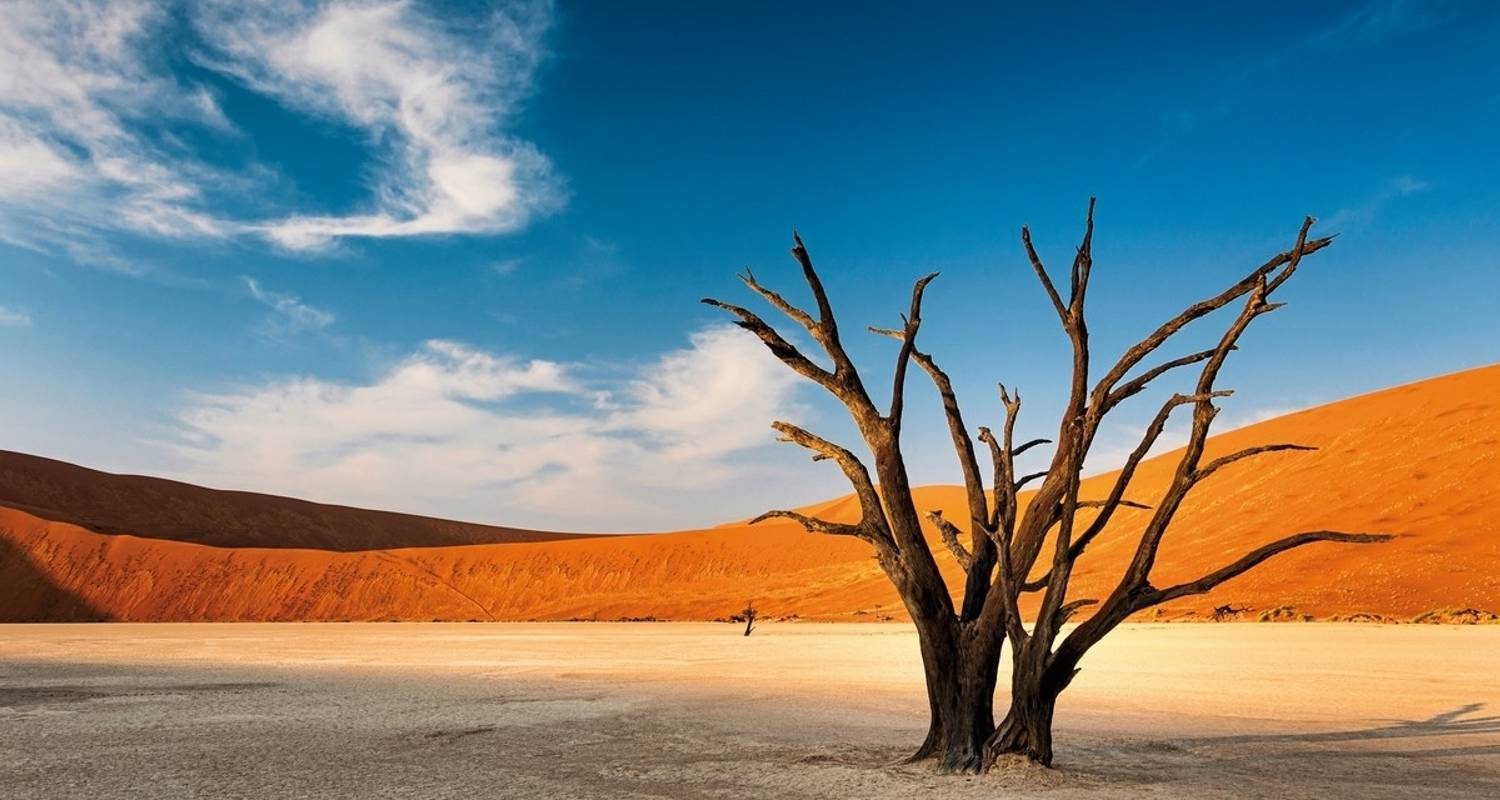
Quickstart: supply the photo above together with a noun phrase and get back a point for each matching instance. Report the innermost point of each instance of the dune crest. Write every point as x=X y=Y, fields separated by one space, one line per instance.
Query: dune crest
x=163 y=509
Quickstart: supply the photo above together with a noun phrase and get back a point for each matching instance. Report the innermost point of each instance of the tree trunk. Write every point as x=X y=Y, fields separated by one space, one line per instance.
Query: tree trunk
x=1027 y=727
x=961 y=673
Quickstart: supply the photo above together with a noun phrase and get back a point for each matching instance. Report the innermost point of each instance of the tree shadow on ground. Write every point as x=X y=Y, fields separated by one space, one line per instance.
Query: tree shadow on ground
x=1453 y=754
x=1457 y=722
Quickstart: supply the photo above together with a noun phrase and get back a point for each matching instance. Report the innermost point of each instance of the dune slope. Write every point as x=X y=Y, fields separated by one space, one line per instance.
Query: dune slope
x=1421 y=461
x=163 y=509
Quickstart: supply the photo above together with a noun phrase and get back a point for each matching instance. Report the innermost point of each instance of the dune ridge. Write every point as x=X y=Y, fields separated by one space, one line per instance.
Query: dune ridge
x=1421 y=461
x=164 y=509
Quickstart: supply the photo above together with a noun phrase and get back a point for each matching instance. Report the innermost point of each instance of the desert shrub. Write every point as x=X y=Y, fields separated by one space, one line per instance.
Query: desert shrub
x=1363 y=617
x=1455 y=616
x=1284 y=614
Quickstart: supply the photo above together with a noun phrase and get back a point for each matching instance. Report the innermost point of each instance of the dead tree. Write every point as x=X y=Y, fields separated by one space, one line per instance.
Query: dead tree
x=961 y=643
x=749 y=615
x=1228 y=611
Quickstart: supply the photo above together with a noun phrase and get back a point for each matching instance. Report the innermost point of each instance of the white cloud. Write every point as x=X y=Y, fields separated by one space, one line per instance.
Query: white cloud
x=432 y=101
x=12 y=318
x=91 y=112
x=292 y=315
x=80 y=80
x=455 y=431
x=691 y=401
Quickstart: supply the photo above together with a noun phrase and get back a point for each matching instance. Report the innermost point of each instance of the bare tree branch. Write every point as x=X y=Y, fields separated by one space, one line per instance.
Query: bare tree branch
x=779 y=347
x=1083 y=541
x=1083 y=264
x=908 y=347
x=1012 y=406
x=1104 y=503
x=853 y=468
x=1204 y=412
x=1224 y=461
x=1074 y=430
x=1302 y=248
x=796 y=314
x=950 y=533
x=1068 y=610
x=825 y=309
x=1134 y=591
x=814 y=524
x=999 y=479
x=850 y=389
x=1041 y=273
x=1148 y=345
x=1025 y=479
x=1001 y=607
x=1254 y=559
x=1062 y=562
x=957 y=431
x=981 y=529
x=843 y=380
x=1127 y=471
x=1135 y=386
x=1019 y=449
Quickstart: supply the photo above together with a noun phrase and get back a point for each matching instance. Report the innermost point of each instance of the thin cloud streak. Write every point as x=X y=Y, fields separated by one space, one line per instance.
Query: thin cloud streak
x=292 y=315
x=1365 y=211
x=437 y=103
x=14 y=318
x=1371 y=25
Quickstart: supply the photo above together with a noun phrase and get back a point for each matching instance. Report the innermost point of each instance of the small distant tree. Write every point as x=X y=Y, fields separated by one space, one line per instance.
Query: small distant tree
x=961 y=644
x=749 y=615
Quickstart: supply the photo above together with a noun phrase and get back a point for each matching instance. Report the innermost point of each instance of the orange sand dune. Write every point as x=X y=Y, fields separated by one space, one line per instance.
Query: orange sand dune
x=163 y=509
x=1421 y=461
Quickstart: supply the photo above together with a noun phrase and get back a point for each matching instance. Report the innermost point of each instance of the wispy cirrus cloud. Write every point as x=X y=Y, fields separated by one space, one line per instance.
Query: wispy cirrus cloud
x=1370 y=25
x=433 y=103
x=1375 y=22
x=14 y=318
x=504 y=267
x=292 y=316
x=1363 y=212
x=82 y=91
x=454 y=430
x=91 y=112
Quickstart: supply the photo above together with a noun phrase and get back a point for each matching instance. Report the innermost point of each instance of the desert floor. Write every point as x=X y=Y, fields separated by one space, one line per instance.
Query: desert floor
x=697 y=710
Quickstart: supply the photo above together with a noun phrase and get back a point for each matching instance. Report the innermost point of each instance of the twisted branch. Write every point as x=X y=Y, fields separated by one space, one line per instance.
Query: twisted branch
x=949 y=533
x=1253 y=559
x=1224 y=461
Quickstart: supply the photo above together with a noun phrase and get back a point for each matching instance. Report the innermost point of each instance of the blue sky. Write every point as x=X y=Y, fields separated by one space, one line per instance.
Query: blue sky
x=446 y=258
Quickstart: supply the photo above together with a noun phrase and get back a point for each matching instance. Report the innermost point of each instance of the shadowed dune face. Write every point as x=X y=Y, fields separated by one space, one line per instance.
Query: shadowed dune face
x=1421 y=461
x=163 y=509
x=29 y=594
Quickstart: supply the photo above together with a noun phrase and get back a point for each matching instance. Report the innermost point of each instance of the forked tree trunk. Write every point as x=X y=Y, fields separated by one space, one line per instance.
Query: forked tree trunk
x=1027 y=727
x=1036 y=682
x=961 y=673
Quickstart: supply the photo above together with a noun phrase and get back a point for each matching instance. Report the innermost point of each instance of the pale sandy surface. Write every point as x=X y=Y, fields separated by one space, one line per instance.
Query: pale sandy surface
x=696 y=710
